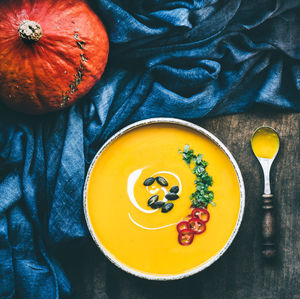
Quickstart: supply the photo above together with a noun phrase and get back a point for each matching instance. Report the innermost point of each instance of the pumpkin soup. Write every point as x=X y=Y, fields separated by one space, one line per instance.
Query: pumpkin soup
x=123 y=188
x=265 y=143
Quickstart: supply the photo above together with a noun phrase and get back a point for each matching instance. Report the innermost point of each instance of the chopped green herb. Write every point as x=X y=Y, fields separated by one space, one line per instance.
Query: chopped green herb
x=202 y=196
x=186 y=148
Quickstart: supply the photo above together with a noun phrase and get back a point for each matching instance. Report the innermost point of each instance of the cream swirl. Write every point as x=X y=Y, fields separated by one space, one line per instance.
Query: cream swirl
x=132 y=179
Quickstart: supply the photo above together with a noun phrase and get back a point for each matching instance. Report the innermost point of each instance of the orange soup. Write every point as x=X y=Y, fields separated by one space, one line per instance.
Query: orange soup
x=265 y=143
x=146 y=240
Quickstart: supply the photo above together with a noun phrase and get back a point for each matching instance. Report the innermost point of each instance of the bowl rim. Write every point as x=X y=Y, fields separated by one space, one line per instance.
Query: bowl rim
x=173 y=121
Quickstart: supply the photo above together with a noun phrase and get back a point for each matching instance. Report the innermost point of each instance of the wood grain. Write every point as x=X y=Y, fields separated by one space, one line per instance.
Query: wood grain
x=241 y=272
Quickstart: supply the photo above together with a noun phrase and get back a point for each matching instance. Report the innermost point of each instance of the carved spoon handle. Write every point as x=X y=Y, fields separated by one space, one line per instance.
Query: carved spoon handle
x=268 y=227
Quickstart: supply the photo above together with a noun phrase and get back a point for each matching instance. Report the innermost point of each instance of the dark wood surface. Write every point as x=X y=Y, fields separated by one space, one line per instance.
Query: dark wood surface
x=241 y=272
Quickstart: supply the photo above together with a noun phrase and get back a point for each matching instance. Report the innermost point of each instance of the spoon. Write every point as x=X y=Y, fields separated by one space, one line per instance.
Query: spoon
x=265 y=146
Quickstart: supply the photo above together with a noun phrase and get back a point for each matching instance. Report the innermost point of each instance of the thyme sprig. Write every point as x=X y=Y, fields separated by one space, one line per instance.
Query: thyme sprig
x=202 y=196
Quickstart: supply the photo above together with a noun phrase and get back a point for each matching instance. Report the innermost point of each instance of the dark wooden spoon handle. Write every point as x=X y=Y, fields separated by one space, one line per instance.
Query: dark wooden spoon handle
x=268 y=227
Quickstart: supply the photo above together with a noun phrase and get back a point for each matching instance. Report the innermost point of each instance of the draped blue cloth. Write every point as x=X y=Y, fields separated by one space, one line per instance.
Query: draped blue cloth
x=185 y=59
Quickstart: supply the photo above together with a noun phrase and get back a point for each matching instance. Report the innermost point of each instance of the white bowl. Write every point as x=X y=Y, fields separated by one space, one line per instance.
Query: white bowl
x=212 y=138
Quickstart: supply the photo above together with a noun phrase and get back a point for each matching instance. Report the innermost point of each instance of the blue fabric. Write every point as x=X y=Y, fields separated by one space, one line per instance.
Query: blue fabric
x=185 y=59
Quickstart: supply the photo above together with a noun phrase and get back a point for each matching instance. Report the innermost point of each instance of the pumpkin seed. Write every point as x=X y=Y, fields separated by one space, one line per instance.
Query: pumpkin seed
x=162 y=181
x=149 y=181
x=167 y=207
x=157 y=204
x=172 y=196
x=174 y=189
x=152 y=200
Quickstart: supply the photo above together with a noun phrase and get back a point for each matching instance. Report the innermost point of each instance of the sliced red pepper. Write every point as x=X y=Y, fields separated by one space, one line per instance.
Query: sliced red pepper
x=201 y=214
x=182 y=225
x=197 y=226
x=186 y=237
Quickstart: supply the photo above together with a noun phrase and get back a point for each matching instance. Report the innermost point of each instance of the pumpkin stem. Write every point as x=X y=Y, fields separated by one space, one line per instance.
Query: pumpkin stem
x=30 y=31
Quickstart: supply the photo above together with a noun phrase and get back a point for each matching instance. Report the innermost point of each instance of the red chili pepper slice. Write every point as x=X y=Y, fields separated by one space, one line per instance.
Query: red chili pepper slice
x=186 y=237
x=182 y=225
x=197 y=226
x=201 y=214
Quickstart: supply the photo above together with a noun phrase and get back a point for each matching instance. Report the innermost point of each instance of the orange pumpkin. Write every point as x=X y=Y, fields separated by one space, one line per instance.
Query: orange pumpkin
x=51 y=53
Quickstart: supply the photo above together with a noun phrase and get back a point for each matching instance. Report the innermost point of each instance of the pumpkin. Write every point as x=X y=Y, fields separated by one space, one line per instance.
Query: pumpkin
x=51 y=53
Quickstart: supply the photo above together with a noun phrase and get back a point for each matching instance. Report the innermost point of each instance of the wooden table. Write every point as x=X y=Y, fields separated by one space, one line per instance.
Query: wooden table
x=240 y=272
